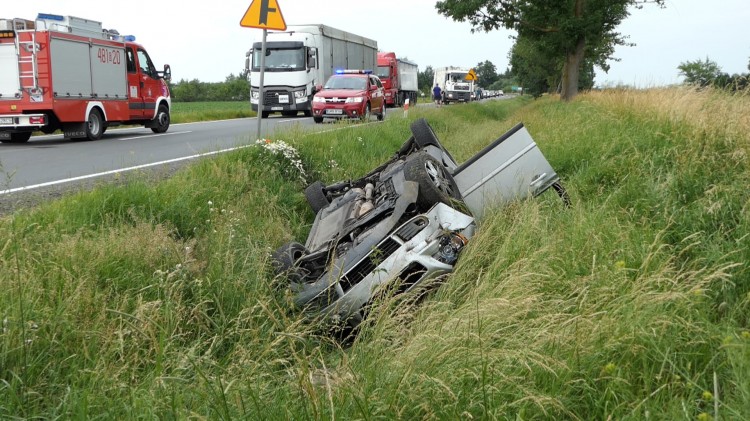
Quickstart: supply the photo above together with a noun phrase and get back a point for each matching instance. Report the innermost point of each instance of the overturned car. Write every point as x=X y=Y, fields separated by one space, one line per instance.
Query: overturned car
x=405 y=221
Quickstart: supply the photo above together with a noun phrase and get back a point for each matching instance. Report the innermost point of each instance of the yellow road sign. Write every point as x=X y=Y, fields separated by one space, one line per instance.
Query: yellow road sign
x=472 y=75
x=264 y=14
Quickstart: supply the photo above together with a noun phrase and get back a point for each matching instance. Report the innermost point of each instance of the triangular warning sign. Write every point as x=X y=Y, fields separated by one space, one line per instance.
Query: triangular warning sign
x=264 y=14
x=472 y=75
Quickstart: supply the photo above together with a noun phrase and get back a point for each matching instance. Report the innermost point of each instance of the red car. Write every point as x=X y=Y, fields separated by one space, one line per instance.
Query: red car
x=350 y=94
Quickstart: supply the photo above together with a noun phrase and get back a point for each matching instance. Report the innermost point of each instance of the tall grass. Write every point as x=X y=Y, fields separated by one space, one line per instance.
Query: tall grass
x=155 y=300
x=184 y=112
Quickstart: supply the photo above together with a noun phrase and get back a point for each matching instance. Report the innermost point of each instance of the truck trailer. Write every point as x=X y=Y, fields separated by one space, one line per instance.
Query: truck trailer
x=299 y=61
x=452 y=81
x=68 y=73
x=399 y=79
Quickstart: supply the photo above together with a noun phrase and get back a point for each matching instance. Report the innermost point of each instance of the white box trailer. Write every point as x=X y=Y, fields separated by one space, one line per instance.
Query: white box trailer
x=300 y=59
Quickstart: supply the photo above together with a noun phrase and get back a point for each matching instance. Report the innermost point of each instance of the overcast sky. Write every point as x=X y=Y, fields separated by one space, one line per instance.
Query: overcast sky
x=203 y=39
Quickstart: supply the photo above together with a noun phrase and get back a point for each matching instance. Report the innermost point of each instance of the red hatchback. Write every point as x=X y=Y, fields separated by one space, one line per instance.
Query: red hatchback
x=350 y=94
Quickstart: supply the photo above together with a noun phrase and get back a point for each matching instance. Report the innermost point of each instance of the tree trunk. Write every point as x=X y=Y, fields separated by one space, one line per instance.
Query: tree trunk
x=571 y=71
x=572 y=66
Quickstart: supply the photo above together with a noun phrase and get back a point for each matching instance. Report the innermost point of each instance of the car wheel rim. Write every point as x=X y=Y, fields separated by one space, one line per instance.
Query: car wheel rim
x=438 y=178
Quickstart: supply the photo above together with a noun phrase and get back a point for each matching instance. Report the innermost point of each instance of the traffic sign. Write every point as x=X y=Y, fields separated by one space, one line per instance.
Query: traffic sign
x=472 y=75
x=264 y=14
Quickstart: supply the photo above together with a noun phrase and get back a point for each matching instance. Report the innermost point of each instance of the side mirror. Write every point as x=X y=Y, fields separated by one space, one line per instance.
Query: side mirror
x=318 y=88
x=167 y=73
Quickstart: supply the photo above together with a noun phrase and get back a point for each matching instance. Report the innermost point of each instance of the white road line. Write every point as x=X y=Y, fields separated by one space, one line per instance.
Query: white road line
x=146 y=136
x=121 y=170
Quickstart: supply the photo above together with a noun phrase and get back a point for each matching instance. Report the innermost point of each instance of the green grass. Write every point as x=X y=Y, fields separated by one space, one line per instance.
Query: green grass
x=155 y=300
x=185 y=112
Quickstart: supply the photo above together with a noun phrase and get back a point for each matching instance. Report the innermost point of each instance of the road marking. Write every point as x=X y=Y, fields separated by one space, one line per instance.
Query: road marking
x=121 y=170
x=146 y=136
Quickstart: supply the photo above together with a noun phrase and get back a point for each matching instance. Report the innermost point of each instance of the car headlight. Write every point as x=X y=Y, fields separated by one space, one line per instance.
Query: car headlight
x=319 y=99
x=355 y=99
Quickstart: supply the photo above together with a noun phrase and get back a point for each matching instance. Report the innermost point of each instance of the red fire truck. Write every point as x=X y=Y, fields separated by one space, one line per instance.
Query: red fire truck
x=69 y=74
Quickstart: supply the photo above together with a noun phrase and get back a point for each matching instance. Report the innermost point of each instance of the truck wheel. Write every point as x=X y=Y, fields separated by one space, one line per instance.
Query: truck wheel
x=264 y=114
x=436 y=185
x=316 y=197
x=308 y=113
x=423 y=133
x=21 y=137
x=318 y=119
x=94 y=125
x=161 y=122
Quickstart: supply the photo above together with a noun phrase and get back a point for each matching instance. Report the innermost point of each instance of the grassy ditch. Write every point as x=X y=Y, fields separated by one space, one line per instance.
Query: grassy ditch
x=155 y=300
x=186 y=112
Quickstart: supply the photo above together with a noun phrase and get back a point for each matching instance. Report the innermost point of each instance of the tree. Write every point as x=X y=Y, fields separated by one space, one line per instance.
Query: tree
x=700 y=73
x=424 y=79
x=574 y=30
x=486 y=73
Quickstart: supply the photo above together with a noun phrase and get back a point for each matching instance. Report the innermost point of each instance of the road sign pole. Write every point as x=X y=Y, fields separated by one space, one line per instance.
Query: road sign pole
x=260 y=87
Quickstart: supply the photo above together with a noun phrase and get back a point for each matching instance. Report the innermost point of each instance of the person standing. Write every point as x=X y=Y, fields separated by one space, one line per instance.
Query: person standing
x=437 y=94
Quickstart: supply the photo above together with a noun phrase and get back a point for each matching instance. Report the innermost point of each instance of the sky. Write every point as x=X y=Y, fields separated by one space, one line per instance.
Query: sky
x=203 y=40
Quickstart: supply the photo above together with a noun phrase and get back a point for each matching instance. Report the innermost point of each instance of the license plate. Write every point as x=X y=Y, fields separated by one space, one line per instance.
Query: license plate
x=277 y=108
x=334 y=111
x=283 y=99
x=6 y=120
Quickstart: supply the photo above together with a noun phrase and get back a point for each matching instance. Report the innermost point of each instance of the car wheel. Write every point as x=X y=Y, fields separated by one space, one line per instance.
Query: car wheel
x=423 y=133
x=366 y=114
x=381 y=116
x=94 y=125
x=316 y=197
x=560 y=189
x=284 y=259
x=162 y=120
x=318 y=119
x=436 y=185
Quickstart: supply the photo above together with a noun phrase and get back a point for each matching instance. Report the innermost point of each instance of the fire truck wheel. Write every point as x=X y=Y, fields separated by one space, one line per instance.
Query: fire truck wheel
x=161 y=122
x=94 y=125
x=22 y=137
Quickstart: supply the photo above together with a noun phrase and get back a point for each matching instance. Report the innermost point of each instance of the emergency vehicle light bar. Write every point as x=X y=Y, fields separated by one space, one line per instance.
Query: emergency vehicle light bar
x=351 y=71
x=7 y=34
x=48 y=16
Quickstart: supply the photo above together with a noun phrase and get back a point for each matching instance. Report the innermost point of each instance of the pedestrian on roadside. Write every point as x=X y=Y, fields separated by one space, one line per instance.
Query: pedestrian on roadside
x=437 y=94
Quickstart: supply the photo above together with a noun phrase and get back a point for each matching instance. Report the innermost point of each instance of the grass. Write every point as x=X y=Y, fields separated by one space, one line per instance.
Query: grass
x=155 y=300
x=185 y=112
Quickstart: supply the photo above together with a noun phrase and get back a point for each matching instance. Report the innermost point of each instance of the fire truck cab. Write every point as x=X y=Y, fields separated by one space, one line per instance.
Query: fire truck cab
x=69 y=74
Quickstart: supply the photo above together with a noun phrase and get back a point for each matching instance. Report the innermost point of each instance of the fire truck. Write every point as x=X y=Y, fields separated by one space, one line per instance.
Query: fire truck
x=67 y=73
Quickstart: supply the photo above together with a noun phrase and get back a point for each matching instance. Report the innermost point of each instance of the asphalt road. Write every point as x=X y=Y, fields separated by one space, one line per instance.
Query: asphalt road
x=50 y=160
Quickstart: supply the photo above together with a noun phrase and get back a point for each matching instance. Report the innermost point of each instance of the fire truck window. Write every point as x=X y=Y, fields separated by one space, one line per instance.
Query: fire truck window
x=131 y=60
x=147 y=67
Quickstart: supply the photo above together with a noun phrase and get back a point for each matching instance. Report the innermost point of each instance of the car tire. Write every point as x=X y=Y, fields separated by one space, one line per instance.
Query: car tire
x=423 y=133
x=264 y=114
x=366 y=114
x=284 y=259
x=318 y=119
x=381 y=116
x=560 y=189
x=316 y=197
x=436 y=184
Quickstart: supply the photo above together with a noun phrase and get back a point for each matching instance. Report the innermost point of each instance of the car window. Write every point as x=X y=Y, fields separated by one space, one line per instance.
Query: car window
x=343 y=82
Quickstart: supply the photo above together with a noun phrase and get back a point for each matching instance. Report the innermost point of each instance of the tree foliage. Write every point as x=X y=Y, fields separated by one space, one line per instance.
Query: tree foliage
x=424 y=79
x=702 y=73
x=574 y=32
x=486 y=73
x=234 y=88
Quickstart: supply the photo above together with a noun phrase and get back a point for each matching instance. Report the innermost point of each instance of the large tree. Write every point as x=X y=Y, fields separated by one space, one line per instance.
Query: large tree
x=700 y=73
x=486 y=73
x=574 y=30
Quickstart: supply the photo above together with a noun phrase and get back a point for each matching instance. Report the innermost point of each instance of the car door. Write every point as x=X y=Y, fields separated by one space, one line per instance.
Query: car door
x=511 y=168
x=376 y=93
x=149 y=83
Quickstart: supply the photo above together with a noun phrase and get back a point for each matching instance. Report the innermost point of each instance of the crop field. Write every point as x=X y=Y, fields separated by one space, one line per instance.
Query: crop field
x=156 y=300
